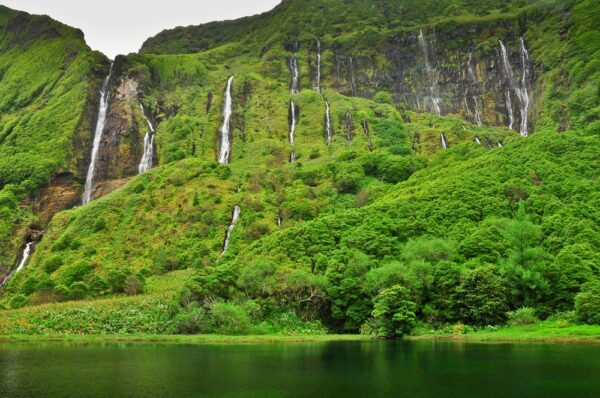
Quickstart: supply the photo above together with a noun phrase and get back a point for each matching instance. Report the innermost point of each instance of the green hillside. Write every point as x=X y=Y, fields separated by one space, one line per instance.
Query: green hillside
x=409 y=218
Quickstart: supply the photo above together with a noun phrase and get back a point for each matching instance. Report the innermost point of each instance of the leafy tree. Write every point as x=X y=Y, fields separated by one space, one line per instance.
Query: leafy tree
x=482 y=298
x=393 y=312
x=587 y=303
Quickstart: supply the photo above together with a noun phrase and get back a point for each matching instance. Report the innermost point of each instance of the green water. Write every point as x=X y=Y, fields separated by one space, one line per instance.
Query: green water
x=338 y=369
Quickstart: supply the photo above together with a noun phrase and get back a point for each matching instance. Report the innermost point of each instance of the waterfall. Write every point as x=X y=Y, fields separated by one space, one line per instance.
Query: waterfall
x=236 y=216
x=477 y=116
x=225 y=152
x=295 y=71
x=444 y=142
x=328 y=123
x=367 y=134
x=520 y=87
x=100 y=123
x=511 y=115
x=279 y=220
x=352 y=81
x=432 y=74
x=147 y=157
x=477 y=140
x=24 y=257
x=150 y=126
x=318 y=66
x=293 y=130
x=349 y=126
x=470 y=68
x=500 y=145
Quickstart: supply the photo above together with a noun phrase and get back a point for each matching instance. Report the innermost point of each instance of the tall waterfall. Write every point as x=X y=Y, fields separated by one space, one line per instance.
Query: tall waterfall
x=225 y=152
x=100 y=123
x=329 y=130
x=520 y=87
x=349 y=126
x=25 y=256
x=444 y=142
x=294 y=123
x=148 y=155
x=477 y=115
x=511 y=115
x=236 y=216
x=367 y=134
x=318 y=66
x=433 y=89
x=295 y=71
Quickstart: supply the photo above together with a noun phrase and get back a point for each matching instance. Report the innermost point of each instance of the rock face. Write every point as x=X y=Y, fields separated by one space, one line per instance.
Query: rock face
x=460 y=72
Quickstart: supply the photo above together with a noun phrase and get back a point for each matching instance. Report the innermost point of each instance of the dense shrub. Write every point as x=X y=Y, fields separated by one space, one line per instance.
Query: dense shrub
x=587 y=303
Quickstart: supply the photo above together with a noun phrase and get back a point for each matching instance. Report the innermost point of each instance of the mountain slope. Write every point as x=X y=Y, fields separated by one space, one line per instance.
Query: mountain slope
x=406 y=168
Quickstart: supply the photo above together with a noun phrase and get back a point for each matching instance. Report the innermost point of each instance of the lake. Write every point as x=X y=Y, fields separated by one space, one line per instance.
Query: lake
x=302 y=370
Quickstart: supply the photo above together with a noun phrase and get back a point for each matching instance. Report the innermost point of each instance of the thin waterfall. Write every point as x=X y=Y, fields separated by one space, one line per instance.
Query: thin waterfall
x=444 y=142
x=148 y=156
x=500 y=145
x=432 y=74
x=477 y=116
x=279 y=220
x=100 y=123
x=294 y=123
x=22 y=263
x=295 y=72
x=225 y=153
x=520 y=87
x=318 y=66
x=329 y=130
x=236 y=216
x=367 y=134
x=511 y=115
x=349 y=126
x=352 y=80
x=477 y=140
x=150 y=126
x=471 y=69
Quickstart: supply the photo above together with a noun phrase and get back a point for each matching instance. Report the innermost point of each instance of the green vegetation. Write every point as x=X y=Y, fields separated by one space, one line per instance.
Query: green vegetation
x=385 y=234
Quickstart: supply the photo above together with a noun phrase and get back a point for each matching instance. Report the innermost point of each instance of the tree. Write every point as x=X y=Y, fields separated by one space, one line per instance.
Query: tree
x=587 y=303
x=525 y=264
x=482 y=298
x=393 y=312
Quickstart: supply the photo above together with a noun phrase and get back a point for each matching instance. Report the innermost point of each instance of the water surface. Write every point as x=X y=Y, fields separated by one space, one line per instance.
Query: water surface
x=289 y=370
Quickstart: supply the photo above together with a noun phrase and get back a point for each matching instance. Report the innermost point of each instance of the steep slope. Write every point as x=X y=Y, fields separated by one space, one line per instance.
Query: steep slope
x=341 y=180
x=46 y=105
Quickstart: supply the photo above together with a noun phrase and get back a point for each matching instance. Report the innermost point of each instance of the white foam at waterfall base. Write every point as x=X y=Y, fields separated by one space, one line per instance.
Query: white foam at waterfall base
x=100 y=123
x=236 y=216
x=225 y=151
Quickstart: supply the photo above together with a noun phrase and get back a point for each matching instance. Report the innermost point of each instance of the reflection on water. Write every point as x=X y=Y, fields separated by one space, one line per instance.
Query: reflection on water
x=338 y=369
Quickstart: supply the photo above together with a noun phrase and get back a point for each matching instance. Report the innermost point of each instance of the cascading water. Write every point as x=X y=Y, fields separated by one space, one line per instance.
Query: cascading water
x=22 y=263
x=100 y=123
x=444 y=142
x=477 y=140
x=471 y=69
x=511 y=115
x=500 y=145
x=295 y=72
x=279 y=221
x=293 y=125
x=236 y=216
x=329 y=130
x=349 y=126
x=367 y=134
x=432 y=75
x=147 y=157
x=520 y=87
x=477 y=116
x=150 y=126
x=318 y=88
x=225 y=152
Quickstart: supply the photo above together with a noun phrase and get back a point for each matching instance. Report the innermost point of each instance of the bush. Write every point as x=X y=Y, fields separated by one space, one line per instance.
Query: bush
x=229 y=319
x=133 y=285
x=53 y=263
x=79 y=291
x=192 y=320
x=523 y=316
x=587 y=303
x=18 y=301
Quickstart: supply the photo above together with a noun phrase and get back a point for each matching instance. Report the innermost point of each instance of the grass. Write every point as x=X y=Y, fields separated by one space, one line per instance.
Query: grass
x=183 y=339
x=545 y=332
